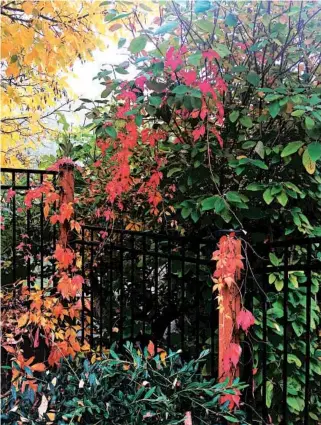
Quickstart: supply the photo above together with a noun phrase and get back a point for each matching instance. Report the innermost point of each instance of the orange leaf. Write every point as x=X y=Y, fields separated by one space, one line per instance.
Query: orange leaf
x=38 y=367
x=9 y=349
x=46 y=210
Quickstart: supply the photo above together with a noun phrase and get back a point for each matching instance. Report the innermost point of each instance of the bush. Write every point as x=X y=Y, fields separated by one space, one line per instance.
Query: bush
x=133 y=388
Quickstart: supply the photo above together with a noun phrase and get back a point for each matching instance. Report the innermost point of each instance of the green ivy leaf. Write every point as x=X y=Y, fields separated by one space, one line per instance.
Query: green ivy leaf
x=314 y=150
x=138 y=44
x=186 y=212
x=298 y=113
x=291 y=148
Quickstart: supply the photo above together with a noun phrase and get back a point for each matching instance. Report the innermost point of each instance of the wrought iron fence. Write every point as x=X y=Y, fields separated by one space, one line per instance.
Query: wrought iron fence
x=27 y=239
x=144 y=286
x=282 y=290
x=147 y=286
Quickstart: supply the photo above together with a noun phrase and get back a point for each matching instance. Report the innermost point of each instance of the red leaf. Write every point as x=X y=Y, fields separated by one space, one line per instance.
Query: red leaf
x=36 y=341
x=151 y=348
x=244 y=320
x=231 y=357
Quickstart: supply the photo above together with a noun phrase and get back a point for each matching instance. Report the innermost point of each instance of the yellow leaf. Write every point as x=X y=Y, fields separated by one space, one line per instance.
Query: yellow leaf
x=51 y=415
x=27 y=7
x=308 y=163
x=23 y=320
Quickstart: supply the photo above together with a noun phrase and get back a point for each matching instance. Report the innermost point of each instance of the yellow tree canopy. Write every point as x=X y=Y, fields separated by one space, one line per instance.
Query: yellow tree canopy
x=40 y=42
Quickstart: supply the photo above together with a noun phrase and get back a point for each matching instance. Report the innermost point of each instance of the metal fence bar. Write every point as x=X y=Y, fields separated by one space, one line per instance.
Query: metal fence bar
x=264 y=349
x=28 y=233
x=121 y=312
x=83 y=247
x=111 y=250
x=41 y=235
x=156 y=266
x=169 y=289
x=197 y=324
x=14 y=230
x=144 y=283
x=285 y=335
x=183 y=247
x=91 y=271
x=308 y=338
x=132 y=282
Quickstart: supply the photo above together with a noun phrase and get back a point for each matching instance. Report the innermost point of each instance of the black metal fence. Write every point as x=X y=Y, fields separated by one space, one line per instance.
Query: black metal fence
x=144 y=286
x=283 y=292
x=27 y=238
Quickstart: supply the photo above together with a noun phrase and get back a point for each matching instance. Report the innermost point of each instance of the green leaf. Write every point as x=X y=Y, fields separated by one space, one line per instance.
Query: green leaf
x=195 y=59
x=279 y=285
x=173 y=171
x=195 y=216
x=298 y=113
x=233 y=197
x=274 y=259
x=294 y=359
x=166 y=28
x=307 y=162
x=274 y=109
x=231 y=418
x=234 y=116
x=260 y=164
x=111 y=132
x=255 y=186
x=259 y=149
x=202 y=6
x=231 y=20
x=121 y=42
x=138 y=44
x=253 y=78
x=309 y=123
x=155 y=101
x=282 y=198
x=222 y=50
x=269 y=393
x=246 y=122
x=291 y=148
x=181 y=89
x=220 y=205
x=314 y=150
x=186 y=212
x=110 y=18
x=121 y=70
x=209 y=203
x=205 y=25
x=267 y=196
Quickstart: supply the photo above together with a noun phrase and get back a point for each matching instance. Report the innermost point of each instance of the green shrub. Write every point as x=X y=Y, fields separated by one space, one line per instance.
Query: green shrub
x=132 y=388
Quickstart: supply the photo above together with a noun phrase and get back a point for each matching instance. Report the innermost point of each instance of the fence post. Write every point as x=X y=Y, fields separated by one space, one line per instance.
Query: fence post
x=227 y=332
x=67 y=190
